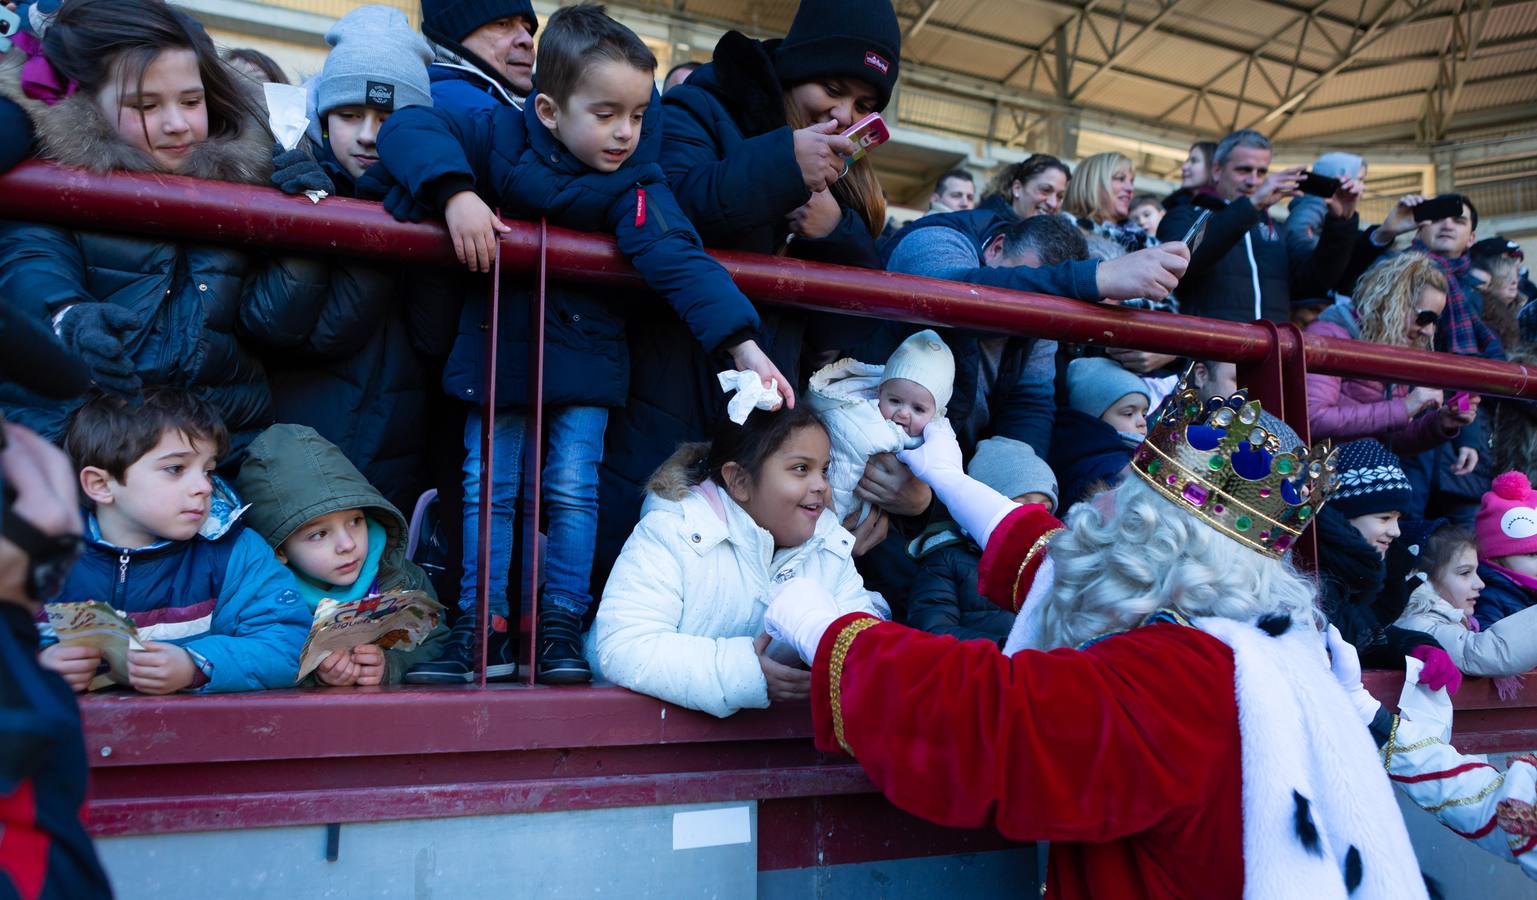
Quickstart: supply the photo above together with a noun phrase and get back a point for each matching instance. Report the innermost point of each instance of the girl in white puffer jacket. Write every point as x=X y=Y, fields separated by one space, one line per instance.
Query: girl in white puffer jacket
x=725 y=526
x=1443 y=606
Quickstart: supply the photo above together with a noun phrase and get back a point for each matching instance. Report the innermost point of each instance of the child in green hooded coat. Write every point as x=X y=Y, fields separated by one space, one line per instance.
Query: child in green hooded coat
x=340 y=537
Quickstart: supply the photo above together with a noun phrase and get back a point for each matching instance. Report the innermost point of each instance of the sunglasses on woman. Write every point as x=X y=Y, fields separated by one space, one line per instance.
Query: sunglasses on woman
x=1425 y=318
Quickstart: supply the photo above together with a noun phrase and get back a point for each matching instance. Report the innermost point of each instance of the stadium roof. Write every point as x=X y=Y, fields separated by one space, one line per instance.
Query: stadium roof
x=1339 y=72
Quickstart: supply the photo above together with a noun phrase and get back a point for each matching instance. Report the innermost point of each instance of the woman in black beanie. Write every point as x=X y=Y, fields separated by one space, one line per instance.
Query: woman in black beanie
x=752 y=152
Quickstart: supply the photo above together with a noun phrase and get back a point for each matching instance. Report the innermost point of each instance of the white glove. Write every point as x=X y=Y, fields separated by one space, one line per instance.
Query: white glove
x=976 y=507
x=799 y=613
x=1346 y=666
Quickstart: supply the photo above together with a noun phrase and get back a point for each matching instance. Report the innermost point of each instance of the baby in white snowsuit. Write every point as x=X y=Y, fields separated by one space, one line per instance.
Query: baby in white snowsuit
x=870 y=409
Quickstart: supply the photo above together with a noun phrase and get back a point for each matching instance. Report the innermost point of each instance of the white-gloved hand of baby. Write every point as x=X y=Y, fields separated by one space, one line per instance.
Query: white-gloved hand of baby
x=750 y=393
x=976 y=507
x=799 y=613
x=1345 y=663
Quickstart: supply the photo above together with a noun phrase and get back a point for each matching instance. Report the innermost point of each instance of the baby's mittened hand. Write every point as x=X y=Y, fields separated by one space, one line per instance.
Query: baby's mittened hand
x=475 y=230
x=369 y=659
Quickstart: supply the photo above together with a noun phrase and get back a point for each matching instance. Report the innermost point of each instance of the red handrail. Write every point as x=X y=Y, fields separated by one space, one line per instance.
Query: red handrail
x=185 y=207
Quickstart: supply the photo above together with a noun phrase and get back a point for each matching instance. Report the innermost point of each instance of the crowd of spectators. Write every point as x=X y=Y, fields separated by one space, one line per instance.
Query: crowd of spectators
x=331 y=395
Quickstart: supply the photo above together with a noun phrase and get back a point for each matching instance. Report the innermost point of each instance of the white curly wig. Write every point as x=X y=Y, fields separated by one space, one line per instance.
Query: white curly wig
x=1132 y=552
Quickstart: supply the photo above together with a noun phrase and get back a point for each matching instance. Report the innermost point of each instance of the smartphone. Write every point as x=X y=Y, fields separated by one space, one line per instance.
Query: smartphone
x=867 y=134
x=1461 y=401
x=10 y=23
x=1319 y=185
x=1438 y=209
x=1197 y=231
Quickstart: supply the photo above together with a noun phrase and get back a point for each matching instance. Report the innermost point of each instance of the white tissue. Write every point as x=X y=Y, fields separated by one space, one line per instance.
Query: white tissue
x=751 y=394
x=286 y=113
x=316 y=196
x=1430 y=709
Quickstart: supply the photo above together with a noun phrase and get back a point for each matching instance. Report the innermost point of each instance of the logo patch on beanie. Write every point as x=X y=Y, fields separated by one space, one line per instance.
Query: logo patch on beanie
x=877 y=62
x=380 y=95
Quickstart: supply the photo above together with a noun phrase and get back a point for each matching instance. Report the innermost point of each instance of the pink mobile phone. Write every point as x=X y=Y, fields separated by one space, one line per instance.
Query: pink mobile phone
x=1461 y=401
x=867 y=134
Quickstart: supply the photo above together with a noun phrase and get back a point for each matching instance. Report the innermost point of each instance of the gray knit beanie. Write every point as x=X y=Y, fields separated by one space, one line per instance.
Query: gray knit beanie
x=1011 y=468
x=1095 y=383
x=378 y=60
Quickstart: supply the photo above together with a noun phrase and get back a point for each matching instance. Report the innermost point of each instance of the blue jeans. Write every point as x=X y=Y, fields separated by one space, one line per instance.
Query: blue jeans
x=570 y=503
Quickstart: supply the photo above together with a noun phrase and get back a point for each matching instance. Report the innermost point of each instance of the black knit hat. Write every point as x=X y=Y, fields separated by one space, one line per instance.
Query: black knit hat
x=1371 y=480
x=842 y=39
x=448 y=22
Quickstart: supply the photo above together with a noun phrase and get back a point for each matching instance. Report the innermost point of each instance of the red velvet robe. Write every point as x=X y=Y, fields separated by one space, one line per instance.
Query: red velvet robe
x=1125 y=755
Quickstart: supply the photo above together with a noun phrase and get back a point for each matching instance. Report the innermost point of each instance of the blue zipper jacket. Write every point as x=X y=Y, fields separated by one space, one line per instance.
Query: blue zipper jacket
x=513 y=162
x=1500 y=597
x=222 y=595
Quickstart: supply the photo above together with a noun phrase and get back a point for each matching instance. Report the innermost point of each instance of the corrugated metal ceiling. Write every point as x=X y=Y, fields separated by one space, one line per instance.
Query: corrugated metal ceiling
x=1202 y=46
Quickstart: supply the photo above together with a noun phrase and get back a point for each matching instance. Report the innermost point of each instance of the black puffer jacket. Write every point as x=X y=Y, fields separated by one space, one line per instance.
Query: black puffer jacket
x=1242 y=269
x=945 y=598
x=186 y=296
x=348 y=362
x=1350 y=582
x=729 y=157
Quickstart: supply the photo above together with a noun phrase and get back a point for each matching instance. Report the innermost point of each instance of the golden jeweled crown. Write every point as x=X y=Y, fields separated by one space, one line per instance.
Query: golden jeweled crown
x=1219 y=462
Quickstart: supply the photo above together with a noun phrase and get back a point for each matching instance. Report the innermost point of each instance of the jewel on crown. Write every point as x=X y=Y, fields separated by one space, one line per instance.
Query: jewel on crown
x=1218 y=461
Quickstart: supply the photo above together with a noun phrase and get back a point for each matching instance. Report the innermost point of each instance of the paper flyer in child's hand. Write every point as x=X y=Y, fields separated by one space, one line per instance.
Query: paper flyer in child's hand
x=398 y=620
x=95 y=624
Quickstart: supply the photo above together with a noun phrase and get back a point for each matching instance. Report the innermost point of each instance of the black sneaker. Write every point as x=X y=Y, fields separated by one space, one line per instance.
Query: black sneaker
x=561 y=660
x=457 y=664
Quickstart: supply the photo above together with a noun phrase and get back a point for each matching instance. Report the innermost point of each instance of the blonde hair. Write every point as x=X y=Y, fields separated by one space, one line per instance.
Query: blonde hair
x=859 y=189
x=1088 y=194
x=1387 y=296
x=1115 y=567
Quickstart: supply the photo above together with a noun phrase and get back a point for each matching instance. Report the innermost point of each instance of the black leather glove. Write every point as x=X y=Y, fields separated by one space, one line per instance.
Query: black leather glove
x=95 y=331
x=376 y=183
x=293 y=172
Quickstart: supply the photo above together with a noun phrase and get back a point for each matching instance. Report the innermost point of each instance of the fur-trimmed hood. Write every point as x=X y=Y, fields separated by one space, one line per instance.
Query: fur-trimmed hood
x=678 y=474
x=73 y=132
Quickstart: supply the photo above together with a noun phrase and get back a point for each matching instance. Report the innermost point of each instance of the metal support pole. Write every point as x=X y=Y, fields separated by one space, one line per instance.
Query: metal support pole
x=534 y=502
x=487 y=471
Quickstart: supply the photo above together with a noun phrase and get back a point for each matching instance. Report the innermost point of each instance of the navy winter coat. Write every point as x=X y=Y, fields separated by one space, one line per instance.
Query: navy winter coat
x=187 y=296
x=729 y=156
x=345 y=362
x=463 y=88
x=514 y=162
x=945 y=598
x=1500 y=597
x=1085 y=452
x=1242 y=270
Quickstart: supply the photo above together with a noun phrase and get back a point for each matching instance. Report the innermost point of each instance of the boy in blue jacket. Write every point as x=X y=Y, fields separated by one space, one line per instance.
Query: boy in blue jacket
x=214 y=609
x=582 y=153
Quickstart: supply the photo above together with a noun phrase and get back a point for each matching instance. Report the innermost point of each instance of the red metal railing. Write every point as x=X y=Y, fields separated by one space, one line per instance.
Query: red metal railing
x=193 y=763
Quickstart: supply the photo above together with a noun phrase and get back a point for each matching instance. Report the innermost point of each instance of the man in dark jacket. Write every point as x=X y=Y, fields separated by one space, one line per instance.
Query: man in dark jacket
x=484 y=52
x=1003 y=384
x=1242 y=270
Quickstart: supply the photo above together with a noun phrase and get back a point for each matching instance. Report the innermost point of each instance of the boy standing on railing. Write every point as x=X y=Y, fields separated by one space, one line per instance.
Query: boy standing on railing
x=582 y=153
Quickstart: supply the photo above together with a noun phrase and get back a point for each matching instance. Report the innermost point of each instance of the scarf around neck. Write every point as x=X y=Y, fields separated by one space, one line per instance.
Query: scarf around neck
x=1463 y=329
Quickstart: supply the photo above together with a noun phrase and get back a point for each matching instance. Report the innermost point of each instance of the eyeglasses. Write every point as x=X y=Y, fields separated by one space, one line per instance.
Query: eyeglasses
x=1425 y=318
